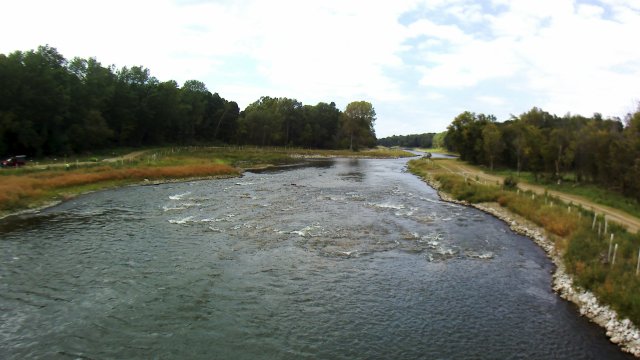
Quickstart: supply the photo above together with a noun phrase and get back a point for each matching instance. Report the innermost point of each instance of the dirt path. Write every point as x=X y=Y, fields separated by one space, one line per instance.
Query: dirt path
x=126 y=157
x=129 y=156
x=631 y=222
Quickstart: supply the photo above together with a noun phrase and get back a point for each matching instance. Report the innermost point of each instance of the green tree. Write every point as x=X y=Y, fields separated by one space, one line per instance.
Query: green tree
x=464 y=135
x=357 y=124
x=492 y=142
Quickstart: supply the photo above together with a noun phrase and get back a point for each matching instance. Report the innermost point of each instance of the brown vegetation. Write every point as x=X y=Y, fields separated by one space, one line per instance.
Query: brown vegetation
x=18 y=190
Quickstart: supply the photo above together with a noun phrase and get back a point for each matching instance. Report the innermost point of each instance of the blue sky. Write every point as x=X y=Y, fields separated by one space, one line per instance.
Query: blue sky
x=420 y=63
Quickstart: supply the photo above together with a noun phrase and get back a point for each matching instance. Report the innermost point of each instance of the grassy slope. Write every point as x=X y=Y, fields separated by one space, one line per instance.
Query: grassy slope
x=585 y=251
x=594 y=193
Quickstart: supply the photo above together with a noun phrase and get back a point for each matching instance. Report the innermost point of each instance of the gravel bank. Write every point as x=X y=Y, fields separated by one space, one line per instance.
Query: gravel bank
x=620 y=331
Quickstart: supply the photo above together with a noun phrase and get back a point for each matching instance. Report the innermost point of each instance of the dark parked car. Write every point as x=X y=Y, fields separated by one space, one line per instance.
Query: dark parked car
x=14 y=161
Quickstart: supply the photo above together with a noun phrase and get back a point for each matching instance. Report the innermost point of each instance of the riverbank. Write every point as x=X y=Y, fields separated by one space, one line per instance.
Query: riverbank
x=33 y=188
x=620 y=331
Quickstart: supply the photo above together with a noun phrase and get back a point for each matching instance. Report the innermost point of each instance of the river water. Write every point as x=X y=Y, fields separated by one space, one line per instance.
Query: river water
x=341 y=259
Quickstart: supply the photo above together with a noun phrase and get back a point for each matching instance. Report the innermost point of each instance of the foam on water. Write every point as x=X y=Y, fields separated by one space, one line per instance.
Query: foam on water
x=389 y=206
x=166 y=208
x=179 y=196
x=181 y=221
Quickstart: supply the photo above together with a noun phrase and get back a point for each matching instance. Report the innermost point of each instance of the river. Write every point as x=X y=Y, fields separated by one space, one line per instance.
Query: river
x=338 y=259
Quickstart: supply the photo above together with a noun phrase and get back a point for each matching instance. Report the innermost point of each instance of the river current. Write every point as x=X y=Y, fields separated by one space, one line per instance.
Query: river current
x=339 y=259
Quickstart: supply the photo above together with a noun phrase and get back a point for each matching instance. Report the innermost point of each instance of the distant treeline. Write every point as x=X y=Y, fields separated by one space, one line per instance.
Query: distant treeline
x=425 y=141
x=49 y=105
x=593 y=149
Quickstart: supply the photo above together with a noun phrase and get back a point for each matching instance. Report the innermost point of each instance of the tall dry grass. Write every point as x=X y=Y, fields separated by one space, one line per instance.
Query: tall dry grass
x=18 y=190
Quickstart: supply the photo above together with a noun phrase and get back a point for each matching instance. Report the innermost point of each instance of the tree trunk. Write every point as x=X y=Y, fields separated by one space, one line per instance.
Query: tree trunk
x=215 y=134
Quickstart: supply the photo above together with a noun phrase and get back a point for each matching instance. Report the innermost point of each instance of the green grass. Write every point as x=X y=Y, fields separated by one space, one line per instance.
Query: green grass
x=591 y=192
x=436 y=150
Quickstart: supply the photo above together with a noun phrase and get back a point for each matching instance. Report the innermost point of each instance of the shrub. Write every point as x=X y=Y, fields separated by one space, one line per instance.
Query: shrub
x=510 y=182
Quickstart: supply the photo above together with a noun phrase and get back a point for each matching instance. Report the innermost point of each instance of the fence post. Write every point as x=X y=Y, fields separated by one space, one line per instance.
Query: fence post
x=638 y=266
x=599 y=229
x=615 y=250
x=610 y=244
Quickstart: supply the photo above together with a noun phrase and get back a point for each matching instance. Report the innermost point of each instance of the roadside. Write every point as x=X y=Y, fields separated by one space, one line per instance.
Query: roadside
x=630 y=222
x=60 y=165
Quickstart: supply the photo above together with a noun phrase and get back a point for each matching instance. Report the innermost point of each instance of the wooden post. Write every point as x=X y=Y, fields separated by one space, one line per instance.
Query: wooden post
x=638 y=266
x=606 y=224
x=599 y=228
x=593 y=225
x=610 y=244
x=615 y=250
x=569 y=209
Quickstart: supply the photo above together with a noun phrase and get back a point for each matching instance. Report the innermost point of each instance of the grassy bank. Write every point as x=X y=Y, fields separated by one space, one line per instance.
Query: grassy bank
x=45 y=181
x=582 y=241
x=569 y=185
x=30 y=189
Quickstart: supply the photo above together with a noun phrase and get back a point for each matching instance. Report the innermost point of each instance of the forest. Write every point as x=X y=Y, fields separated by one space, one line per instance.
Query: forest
x=593 y=150
x=424 y=141
x=53 y=106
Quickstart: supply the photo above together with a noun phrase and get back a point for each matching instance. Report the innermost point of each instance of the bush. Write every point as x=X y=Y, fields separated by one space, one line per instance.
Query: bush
x=510 y=182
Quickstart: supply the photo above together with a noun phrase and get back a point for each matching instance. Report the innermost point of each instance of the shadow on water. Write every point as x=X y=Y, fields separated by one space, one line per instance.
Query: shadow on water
x=351 y=169
x=308 y=163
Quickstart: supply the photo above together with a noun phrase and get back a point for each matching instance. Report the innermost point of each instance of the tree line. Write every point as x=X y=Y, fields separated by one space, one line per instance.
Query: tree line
x=424 y=141
x=50 y=105
x=592 y=149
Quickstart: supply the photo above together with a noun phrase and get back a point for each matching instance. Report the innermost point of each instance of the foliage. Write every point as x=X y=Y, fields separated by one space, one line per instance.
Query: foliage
x=52 y=106
x=356 y=125
x=510 y=182
x=424 y=141
x=598 y=151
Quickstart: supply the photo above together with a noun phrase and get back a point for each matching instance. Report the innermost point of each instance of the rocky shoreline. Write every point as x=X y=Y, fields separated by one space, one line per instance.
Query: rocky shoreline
x=620 y=331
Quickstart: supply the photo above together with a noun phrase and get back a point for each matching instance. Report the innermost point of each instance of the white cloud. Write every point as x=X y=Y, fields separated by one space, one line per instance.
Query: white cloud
x=492 y=100
x=562 y=55
x=569 y=55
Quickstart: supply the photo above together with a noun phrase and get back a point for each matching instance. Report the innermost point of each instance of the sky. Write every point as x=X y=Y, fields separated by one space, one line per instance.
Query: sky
x=419 y=62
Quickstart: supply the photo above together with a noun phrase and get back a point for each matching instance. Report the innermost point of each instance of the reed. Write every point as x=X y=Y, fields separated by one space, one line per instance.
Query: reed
x=19 y=191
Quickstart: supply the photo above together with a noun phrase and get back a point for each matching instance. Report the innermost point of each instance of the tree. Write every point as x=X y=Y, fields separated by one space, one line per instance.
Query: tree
x=438 y=140
x=357 y=124
x=492 y=142
x=464 y=135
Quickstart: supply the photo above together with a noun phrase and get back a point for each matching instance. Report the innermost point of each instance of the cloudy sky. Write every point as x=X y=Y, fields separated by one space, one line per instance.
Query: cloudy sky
x=420 y=63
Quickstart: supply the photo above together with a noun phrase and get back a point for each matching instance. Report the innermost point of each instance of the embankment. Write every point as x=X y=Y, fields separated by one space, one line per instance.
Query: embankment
x=620 y=331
